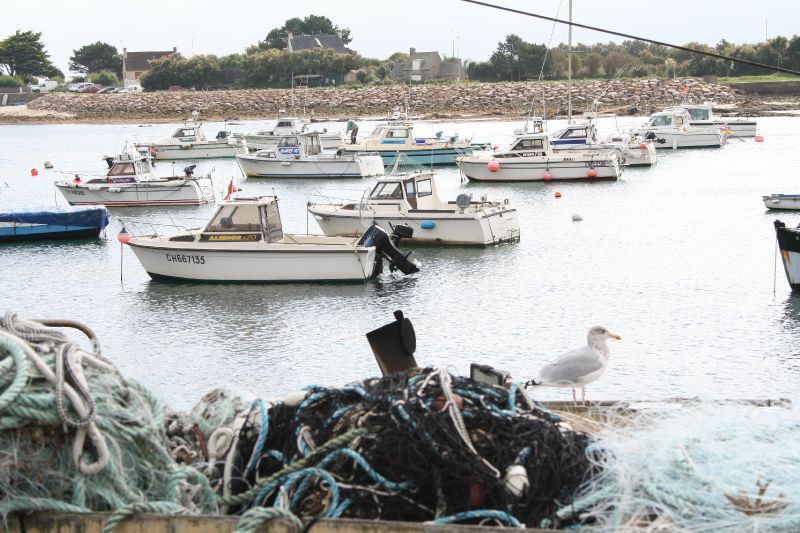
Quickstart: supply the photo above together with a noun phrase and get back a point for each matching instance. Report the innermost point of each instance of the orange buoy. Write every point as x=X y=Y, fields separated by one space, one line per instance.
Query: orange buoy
x=547 y=175
x=123 y=236
x=642 y=146
x=592 y=173
x=34 y=172
x=493 y=166
x=759 y=139
x=558 y=194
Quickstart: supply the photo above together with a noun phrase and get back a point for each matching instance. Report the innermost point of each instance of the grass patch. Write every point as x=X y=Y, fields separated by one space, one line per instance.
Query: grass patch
x=749 y=79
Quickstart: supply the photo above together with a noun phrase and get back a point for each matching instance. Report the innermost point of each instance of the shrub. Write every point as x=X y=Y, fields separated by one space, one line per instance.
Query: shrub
x=104 y=77
x=11 y=81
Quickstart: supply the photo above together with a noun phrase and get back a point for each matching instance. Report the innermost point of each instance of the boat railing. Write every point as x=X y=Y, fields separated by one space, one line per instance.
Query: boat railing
x=161 y=230
x=329 y=198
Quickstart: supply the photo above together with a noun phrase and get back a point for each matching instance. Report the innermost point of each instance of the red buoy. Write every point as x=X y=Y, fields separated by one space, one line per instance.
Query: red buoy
x=547 y=175
x=592 y=173
x=642 y=146
x=759 y=139
x=123 y=236
x=558 y=194
x=34 y=172
x=493 y=166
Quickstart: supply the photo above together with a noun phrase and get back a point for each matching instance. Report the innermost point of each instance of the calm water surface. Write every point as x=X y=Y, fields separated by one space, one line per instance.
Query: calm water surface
x=678 y=259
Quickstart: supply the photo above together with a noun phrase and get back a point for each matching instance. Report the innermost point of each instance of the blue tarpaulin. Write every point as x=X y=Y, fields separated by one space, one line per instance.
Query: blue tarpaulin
x=89 y=217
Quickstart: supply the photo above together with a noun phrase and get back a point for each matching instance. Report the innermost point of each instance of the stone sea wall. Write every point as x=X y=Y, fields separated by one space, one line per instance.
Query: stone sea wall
x=640 y=96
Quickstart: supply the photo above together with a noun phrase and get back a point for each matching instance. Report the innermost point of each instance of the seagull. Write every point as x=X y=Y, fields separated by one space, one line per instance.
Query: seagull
x=579 y=367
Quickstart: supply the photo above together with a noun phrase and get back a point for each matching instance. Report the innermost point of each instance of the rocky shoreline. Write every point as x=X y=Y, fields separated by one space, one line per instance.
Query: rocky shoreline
x=466 y=100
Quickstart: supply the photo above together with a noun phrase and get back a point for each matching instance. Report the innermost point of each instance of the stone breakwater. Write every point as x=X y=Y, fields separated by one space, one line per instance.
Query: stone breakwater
x=640 y=96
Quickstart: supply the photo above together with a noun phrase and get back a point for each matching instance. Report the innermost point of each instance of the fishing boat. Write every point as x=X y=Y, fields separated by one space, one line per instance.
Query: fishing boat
x=789 y=244
x=190 y=142
x=244 y=241
x=390 y=141
x=672 y=129
x=301 y=156
x=130 y=181
x=702 y=115
x=66 y=223
x=787 y=202
x=532 y=158
x=632 y=149
x=413 y=199
x=269 y=138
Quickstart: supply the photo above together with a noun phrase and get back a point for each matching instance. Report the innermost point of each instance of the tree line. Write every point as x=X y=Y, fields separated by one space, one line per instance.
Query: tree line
x=269 y=64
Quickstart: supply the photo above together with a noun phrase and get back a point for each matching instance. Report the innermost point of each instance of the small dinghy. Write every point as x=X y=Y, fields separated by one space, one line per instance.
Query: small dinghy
x=244 y=241
x=412 y=199
x=130 y=182
x=789 y=244
x=66 y=223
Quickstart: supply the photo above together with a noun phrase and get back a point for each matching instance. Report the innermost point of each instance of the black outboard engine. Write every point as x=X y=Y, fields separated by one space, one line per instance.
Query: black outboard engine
x=189 y=171
x=222 y=135
x=386 y=246
x=651 y=136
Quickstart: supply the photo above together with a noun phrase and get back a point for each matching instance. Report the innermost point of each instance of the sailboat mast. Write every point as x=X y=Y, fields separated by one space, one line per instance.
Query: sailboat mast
x=569 y=67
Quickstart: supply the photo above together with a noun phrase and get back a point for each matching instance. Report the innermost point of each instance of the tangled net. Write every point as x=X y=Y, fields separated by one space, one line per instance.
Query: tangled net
x=423 y=446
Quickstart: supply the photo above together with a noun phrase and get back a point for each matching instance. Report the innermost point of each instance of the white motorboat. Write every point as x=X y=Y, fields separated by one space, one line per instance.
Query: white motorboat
x=531 y=158
x=244 y=241
x=702 y=115
x=789 y=245
x=782 y=201
x=412 y=199
x=391 y=141
x=130 y=181
x=269 y=138
x=189 y=142
x=632 y=149
x=301 y=156
x=671 y=129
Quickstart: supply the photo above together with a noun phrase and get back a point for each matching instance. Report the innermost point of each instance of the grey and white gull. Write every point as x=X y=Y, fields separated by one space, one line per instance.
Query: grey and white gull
x=579 y=367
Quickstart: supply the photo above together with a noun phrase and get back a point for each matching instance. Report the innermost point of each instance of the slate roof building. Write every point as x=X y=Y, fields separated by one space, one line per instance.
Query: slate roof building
x=135 y=64
x=426 y=66
x=310 y=42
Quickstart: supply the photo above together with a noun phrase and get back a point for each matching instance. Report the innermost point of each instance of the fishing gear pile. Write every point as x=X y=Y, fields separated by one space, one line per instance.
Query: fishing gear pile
x=420 y=446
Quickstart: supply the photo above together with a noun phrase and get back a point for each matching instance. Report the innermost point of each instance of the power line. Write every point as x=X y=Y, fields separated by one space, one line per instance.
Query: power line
x=634 y=37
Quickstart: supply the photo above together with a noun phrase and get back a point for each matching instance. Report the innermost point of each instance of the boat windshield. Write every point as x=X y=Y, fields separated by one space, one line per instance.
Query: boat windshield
x=698 y=113
x=184 y=132
x=528 y=144
x=122 y=169
x=397 y=133
x=424 y=188
x=579 y=133
x=661 y=120
x=284 y=124
x=289 y=141
x=387 y=191
x=234 y=218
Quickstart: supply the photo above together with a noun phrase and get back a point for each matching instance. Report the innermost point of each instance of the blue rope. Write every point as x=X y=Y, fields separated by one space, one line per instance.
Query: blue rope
x=360 y=461
x=478 y=513
x=262 y=436
x=512 y=398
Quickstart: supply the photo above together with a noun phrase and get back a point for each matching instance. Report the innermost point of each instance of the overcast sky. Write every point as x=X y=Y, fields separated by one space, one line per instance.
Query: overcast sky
x=380 y=28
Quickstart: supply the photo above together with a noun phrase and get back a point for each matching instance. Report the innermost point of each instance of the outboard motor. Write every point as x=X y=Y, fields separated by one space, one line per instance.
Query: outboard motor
x=222 y=135
x=189 y=171
x=651 y=136
x=386 y=246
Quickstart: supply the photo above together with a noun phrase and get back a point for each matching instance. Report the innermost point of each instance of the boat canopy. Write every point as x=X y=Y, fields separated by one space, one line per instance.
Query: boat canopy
x=246 y=220
x=669 y=118
x=299 y=144
x=417 y=190
x=189 y=133
x=535 y=141
x=83 y=216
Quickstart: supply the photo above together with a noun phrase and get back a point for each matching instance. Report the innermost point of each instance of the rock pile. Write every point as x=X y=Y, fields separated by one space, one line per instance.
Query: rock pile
x=631 y=96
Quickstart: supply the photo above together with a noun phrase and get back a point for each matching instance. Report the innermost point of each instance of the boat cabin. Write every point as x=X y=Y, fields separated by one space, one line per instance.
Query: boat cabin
x=294 y=146
x=190 y=132
x=528 y=144
x=671 y=119
x=245 y=220
x=580 y=133
x=700 y=112
x=126 y=168
x=413 y=191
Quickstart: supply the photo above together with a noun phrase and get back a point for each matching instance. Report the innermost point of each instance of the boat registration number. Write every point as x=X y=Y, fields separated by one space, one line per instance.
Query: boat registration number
x=180 y=258
x=596 y=163
x=73 y=191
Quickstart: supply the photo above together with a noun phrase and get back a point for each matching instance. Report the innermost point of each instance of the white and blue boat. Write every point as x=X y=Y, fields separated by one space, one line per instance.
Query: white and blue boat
x=632 y=150
x=67 y=223
x=390 y=141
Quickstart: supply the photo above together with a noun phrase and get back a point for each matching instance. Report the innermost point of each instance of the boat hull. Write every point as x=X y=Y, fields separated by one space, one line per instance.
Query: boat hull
x=324 y=167
x=44 y=225
x=789 y=244
x=789 y=202
x=529 y=169
x=738 y=128
x=699 y=139
x=494 y=226
x=631 y=155
x=180 y=192
x=41 y=232
x=261 y=263
x=210 y=150
x=422 y=156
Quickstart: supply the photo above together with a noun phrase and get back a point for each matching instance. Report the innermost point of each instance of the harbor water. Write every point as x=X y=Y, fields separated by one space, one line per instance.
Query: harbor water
x=678 y=259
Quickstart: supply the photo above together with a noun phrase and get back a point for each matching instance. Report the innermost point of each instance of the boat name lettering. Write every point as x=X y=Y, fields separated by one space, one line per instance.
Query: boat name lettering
x=180 y=258
x=596 y=163
x=250 y=237
x=393 y=142
x=73 y=191
x=187 y=139
x=288 y=151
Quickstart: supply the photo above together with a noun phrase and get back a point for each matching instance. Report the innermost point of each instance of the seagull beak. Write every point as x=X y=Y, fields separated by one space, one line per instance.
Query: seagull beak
x=616 y=337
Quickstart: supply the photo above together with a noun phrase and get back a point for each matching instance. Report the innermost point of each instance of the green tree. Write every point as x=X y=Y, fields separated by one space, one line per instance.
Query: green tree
x=199 y=72
x=96 y=57
x=311 y=25
x=592 y=63
x=104 y=77
x=23 y=54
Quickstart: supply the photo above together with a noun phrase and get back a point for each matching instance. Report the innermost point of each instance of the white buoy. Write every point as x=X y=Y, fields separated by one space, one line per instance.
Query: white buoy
x=293 y=399
x=515 y=480
x=48 y=164
x=576 y=217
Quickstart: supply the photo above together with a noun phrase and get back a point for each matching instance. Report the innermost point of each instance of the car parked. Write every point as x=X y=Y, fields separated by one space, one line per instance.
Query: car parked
x=76 y=87
x=107 y=90
x=91 y=89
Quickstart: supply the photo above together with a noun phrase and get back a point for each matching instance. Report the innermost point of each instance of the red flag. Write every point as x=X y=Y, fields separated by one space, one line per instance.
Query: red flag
x=230 y=191
x=685 y=89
